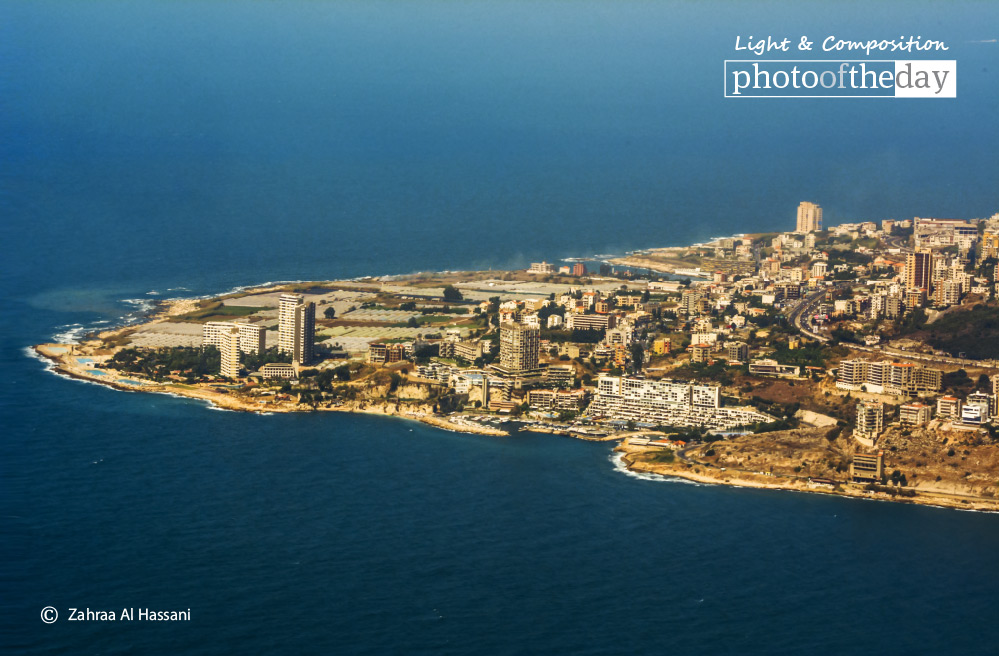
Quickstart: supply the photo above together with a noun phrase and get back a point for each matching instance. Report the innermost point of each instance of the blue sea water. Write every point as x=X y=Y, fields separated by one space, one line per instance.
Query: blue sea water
x=156 y=149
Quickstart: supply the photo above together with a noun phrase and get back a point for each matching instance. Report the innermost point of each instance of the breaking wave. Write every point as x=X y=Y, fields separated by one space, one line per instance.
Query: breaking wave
x=69 y=334
x=617 y=459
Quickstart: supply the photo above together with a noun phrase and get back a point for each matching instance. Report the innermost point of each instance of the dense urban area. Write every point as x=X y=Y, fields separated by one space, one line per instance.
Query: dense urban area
x=859 y=359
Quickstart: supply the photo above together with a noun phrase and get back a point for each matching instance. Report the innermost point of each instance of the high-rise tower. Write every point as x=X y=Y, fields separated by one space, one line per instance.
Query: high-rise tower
x=520 y=346
x=297 y=328
x=809 y=217
x=229 y=350
x=919 y=270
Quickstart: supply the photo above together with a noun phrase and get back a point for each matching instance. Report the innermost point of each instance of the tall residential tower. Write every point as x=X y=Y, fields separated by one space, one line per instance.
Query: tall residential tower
x=919 y=270
x=520 y=346
x=297 y=328
x=229 y=350
x=809 y=218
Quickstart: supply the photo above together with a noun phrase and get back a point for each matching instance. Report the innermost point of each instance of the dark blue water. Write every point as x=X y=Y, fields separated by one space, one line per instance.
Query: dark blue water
x=156 y=146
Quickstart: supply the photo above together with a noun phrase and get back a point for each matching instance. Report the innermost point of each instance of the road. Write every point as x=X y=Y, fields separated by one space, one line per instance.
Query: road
x=803 y=309
x=901 y=243
x=909 y=355
x=798 y=317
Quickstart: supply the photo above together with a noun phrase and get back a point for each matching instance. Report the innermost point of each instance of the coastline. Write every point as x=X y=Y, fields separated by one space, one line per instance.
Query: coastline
x=64 y=364
x=635 y=459
x=79 y=361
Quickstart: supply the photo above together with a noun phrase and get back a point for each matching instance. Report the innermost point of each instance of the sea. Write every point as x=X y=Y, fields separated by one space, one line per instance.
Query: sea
x=158 y=150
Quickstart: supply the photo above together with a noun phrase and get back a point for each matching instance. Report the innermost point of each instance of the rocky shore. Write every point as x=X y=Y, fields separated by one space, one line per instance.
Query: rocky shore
x=76 y=361
x=654 y=460
x=948 y=470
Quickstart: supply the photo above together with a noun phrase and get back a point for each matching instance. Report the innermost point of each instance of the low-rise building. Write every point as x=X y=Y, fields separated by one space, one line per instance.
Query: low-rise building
x=700 y=353
x=663 y=345
x=949 y=407
x=883 y=377
x=703 y=338
x=560 y=375
x=380 y=353
x=571 y=400
x=867 y=468
x=914 y=414
x=665 y=286
x=277 y=370
x=870 y=418
x=668 y=402
x=251 y=336
x=464 y=381
x=435 y=371
x=768 y=367
x=468 y=350
x=623 y=334
x=590 y=321
x=736 y=351
x=977 y=408
x=541 y=399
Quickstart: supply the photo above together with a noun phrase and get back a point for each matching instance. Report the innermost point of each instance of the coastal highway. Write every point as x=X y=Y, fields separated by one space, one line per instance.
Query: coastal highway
x=924 y=357
x=804 y=308
x=798 y=316
x=901 y=243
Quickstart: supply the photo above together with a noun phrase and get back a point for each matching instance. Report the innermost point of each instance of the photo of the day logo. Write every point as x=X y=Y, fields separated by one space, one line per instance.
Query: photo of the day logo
x=880 y=78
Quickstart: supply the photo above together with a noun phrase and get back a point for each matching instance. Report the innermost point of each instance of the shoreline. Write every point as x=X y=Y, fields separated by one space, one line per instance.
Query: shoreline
x=78 y=360
x=630 y=454
x=58 y=365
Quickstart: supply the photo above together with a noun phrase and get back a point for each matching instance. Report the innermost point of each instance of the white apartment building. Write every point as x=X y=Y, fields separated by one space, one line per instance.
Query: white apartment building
x=668 y=402
x=870 y=418
x=251 y=336
x=230 y=367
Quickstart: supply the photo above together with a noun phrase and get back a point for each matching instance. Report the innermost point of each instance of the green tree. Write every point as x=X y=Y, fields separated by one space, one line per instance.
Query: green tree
x=330 y=312
x=959 y=381
x=452 y=294
x=637 y=356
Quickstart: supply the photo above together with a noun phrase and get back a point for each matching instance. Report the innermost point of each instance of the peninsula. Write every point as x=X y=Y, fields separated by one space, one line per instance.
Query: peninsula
x=859 y=360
